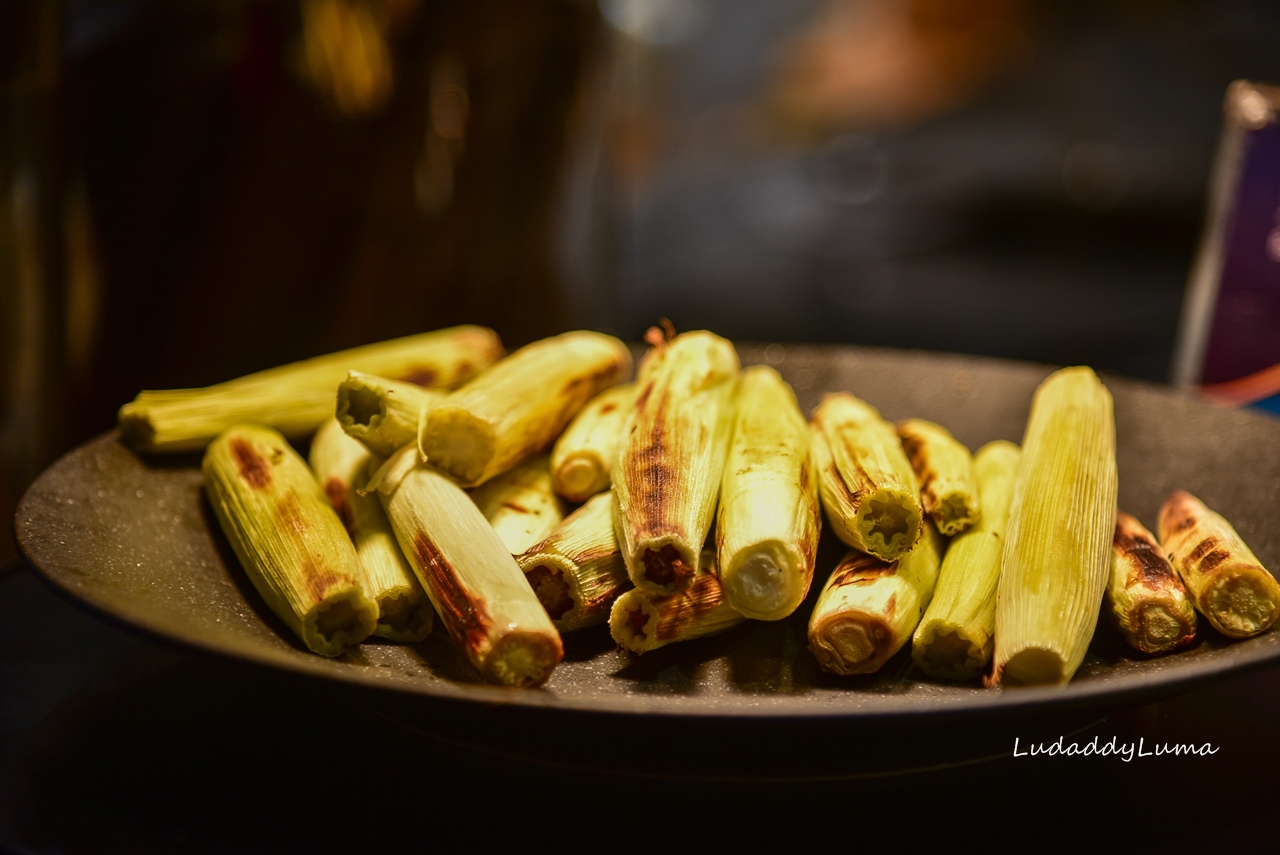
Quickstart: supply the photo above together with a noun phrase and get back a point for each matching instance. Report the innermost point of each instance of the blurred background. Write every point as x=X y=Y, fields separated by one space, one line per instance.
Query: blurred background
x=194 y=189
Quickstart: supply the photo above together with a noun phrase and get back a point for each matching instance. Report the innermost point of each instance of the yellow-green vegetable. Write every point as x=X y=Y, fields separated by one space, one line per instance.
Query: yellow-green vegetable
x=1146 y=600
x=296 y=398
x=769 y=518
x=472 y=579
x=869 y=607
x=289 y=540
x=521 y=504
x=586 y=453
x=641 y=621
x=1058 y=548
x=521 y=404
x=672 y=458
x=866 y=482
x=956 y=636
x=384 y=415
x=1227 y=582
x=944 y=468
x=577 y=572
x=342 y=465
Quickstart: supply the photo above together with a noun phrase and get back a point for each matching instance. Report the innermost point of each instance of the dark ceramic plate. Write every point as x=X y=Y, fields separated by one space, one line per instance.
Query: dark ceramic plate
x=132 y=539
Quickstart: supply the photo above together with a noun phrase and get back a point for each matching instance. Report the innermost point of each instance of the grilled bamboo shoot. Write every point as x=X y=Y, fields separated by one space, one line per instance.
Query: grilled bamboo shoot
x=672 y=459
x=956 y=636
x=288 y=539
x=521 y=404
x=586 y=453
x=382 y=414
x=296 y=398
x=769 y=517
x=866 y=482
x=341 y=465
x=1227 y=582
x=1146 y=600
x=577 y=572
x=1057 y=552
x=944 y=468
x=473 y=581
x=641 y=621
x=869 y=607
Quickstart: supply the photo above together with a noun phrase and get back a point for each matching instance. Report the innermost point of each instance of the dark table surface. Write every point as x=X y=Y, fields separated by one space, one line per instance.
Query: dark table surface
x=110 y=742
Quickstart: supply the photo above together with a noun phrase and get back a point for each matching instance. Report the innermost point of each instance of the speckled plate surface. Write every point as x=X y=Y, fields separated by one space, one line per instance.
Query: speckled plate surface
x=132 y=539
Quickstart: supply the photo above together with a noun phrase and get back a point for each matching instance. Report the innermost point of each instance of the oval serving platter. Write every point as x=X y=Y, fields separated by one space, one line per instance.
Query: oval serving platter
x=133 y=539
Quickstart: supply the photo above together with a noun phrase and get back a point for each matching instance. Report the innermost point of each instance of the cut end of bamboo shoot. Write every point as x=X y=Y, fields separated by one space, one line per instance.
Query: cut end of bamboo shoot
x=851 y=643
x=889 y=522
x=460 y=443
x=950 y=653
x=522 y=659
x=1034 y=666
x=339 y=621
x=580 y=477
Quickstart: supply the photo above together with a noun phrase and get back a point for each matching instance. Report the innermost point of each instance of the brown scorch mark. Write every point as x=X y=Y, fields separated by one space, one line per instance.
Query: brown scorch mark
x=1211 y=561
x=320 y=579
x=861 y=569
x=1146 y=563
x=254 y=469
x=289 y=515
x=420 y=376
x=467 y=621
x=514 y=506
x=652 y=477
x=643 y=397
x=607 y=408
x=1203 y=548
x=336 y=492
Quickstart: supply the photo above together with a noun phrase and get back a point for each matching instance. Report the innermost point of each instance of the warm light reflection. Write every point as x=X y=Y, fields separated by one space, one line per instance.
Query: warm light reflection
x=345 y=54
x=449 y=106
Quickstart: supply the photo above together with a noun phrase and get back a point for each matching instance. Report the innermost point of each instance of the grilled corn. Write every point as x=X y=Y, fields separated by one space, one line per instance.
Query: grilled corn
x=521 y=504
x=1227 y=582
x=473 y=581
x=1058 y=547
x=382 y=414
x=869 y=607
x=585 y=454
x=296 y=398
x=769 y=518
x=641 y=621
x=341 y=465
x=289 y=540
x=672 y=458
x=866 y=482
x=944 y=468
x=1146 y=600
x=577 y=572
x=956 y=636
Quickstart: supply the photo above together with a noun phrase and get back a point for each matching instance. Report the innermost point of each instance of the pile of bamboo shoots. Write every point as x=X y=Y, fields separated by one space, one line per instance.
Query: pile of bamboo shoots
x=515 y=498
